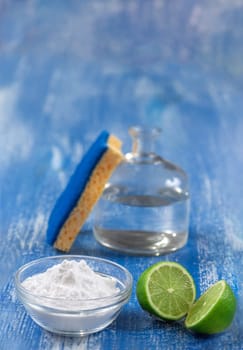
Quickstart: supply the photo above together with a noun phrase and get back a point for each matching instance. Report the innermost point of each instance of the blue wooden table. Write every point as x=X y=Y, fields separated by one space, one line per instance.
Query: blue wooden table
x=69 y=69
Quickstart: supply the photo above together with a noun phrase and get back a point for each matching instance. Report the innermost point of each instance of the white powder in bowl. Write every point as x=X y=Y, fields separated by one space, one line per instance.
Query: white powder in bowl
x=71 y=280
x=71 y=298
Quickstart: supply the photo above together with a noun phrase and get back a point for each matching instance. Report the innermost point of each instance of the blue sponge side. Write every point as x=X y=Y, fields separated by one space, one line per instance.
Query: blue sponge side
x=75 y=186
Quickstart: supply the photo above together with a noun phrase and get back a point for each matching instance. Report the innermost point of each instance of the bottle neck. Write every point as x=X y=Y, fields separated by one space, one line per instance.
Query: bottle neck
x=144 y=140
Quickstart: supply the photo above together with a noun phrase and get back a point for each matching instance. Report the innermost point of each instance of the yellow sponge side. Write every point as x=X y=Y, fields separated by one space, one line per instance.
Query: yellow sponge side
x=91 y=194
x=113 y=141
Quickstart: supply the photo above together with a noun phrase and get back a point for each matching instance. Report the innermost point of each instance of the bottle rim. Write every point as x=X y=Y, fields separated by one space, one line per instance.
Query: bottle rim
x=135 y=131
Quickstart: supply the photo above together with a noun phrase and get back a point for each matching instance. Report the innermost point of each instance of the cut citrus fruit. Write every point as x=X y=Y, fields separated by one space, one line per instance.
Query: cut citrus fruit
x=167 y=290
x=214 y=311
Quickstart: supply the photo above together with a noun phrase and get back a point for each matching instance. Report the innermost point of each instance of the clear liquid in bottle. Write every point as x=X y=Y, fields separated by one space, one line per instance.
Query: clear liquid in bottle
x=145 y=207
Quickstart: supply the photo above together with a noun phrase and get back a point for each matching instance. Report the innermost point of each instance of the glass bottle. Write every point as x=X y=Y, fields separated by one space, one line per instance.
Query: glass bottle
x=144 y=208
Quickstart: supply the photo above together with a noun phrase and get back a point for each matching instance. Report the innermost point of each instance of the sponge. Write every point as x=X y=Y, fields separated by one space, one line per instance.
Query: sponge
x=83 y=191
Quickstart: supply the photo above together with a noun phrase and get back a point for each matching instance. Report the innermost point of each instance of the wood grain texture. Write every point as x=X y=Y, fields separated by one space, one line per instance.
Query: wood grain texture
x=71 y=69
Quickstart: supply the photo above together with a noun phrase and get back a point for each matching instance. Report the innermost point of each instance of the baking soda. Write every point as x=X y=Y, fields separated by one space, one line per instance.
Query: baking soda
x=71 y=280
x=71 y=298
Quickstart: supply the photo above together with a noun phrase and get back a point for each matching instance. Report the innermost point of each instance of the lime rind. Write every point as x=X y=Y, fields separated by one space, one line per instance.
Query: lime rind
x=214 y=311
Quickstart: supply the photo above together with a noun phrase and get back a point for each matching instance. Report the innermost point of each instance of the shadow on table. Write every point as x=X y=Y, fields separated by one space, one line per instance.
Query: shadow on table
x=134 y=321
x=86 y=244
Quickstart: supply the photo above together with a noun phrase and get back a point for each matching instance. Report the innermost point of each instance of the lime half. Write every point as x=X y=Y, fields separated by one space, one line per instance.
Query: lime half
x=214 y=311
x=167 y=290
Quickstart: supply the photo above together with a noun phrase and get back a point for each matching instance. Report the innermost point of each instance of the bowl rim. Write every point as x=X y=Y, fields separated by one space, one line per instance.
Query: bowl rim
x=95 y=303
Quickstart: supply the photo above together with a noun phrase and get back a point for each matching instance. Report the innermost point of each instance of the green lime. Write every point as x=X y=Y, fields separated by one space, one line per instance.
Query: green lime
x=167 y=290
x=214 y=311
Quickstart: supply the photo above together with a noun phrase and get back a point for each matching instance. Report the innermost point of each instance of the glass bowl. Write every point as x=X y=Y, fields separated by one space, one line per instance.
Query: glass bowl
x=74 y=317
